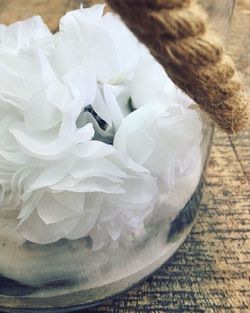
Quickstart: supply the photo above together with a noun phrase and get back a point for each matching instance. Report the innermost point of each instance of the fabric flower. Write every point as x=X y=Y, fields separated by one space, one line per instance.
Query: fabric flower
x=91 y=126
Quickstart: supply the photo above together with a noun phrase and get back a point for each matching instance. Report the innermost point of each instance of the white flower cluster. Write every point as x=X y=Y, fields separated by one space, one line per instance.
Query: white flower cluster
x=91 y=128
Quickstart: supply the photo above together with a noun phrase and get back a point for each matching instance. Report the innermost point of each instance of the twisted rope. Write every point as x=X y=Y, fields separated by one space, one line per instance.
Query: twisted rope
x=177 y=34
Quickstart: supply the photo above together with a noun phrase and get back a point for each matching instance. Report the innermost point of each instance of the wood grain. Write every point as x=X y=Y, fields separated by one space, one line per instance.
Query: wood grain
x=210 y=273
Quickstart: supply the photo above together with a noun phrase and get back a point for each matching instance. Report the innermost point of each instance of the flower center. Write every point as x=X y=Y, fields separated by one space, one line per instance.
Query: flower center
x=103 y=131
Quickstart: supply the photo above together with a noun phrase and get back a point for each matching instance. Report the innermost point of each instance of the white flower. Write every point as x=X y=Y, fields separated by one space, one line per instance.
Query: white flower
x=76 y=157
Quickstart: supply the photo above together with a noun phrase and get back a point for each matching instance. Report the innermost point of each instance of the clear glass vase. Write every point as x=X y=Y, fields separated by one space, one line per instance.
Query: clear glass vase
x=68 y=275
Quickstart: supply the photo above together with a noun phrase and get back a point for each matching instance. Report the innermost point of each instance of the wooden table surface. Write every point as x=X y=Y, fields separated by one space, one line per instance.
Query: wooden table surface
x=210 y=273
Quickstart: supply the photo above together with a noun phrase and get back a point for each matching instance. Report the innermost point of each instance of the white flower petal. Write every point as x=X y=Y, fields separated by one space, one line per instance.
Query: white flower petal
x=53 y=174
x=47 y=145
x=150 y=79
x=93 y=184
x=41 y=114
x=74 y=201
x=23 y=76
x=84 y=226
x=52 y=211
x=18 y=182
x=126 y=45
x=100 y=108
x=90 y=15
x=22 y=34
x=92 y=150
x=93 y=168
x=121 y=93
x=89 y=217
x=113 y=108
x=137 y=121
x=30 y=205
x=139 y=191
x=82 y=83
x=36 y=231
x=141 y=142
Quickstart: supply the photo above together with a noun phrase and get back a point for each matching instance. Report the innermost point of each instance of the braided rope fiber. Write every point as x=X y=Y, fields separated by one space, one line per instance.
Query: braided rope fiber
x=178 y=36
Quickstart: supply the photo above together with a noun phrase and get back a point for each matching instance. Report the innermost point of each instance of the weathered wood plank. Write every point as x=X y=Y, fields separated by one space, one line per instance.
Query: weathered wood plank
x=210 y=273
